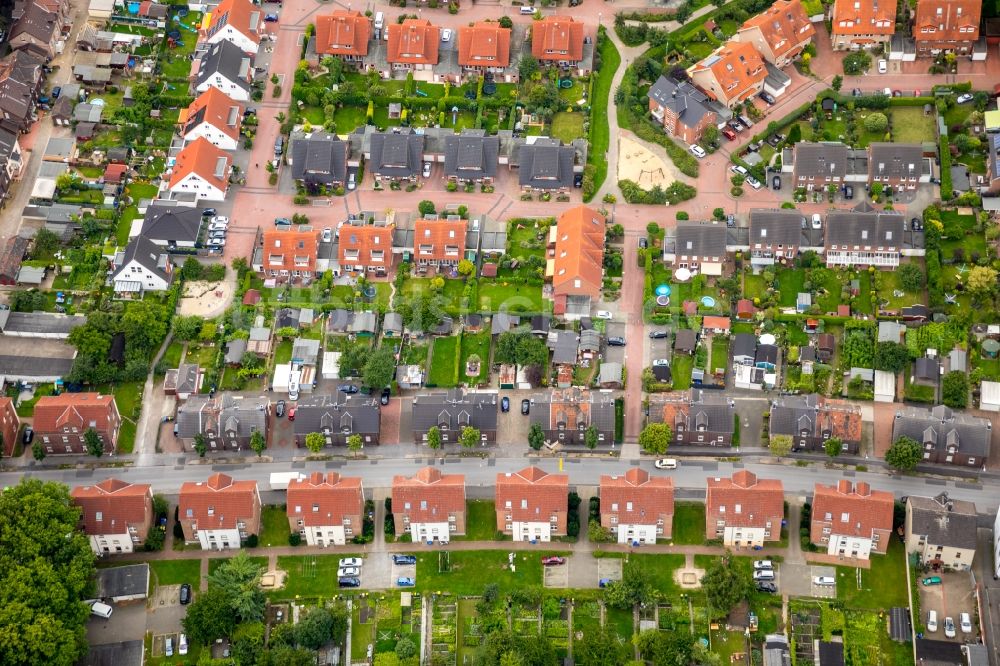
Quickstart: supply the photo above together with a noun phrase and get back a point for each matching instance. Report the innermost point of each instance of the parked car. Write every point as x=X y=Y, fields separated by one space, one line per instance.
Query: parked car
x=216 y=242
x=279 y=408
x=768 y=97
x=817 y=221
x=604 y=314
x=666 y=463
x=553 y=560
x=932 y=622
x=446 y=35
x=824 y=580
x=578 y=180
x=405 y=581
x=327 y=235
x=949 y=627
x=347 y=388
x=282 y=222
x=185 y=597
x=291 y=414
x=776 y=182
x=616 y=341
x=207 y=212
x=384 y=398
x=279 y=146
x=28 y=435
x=168 y=646
x=218 y=233
x=348 y=571
x=427 y=169
x=730 y=220
x=56 y=92
x=525 y=406
x=697 y=150
x=505 y=404
x=753 y=182
x=661 y=362
x=738 y=169
x=766 y=586
x=349 y=581
x=643 y=242
x=932 y=580
x=404 y=559
x=848 y=192
x=964 y=98
x=658 y=335
x=352 y=180
x=763 y=574
x=182 y=645
x=216 y=226
x=604 y=582
x=270 y=18
x=350 y=562
x=763 y=564
x=965 y=623
x=729 y=133
x=883 y=66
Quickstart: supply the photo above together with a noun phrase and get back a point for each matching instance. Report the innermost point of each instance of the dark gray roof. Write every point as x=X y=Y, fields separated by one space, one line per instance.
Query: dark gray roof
x=178 y=224
x=187 y=377
x=393 y=322
x=943 y=427
x=820 y=160
x=831 y=653
x=146 y=253
x=546 y=165
x=27 y=366
x=590 y=340
x=540 y=324
x=320 y=158
x=774 y=226
x=792 y=414
x=564 y=401
x=364 y=322
x=227 y=59
x=564 y=345
x=744 y=344
x=926 y=368
x=128 y=653
x=340 y=319
x=286 y=318
x=776 y=651
x=396 y=154
x=807 y=353
x=864 y=229
x=235 y=350
x=339 y=412
x=685 y=339
x=455 y=409
x=194 y=415
x=471 y=155
x=503 y=322
x=766 y=354
x=126 y=581
x=689 y=103
x=41 y=323
x=712 y=410
x=243 y=415
x=895 y=160
x=701 y=239
x=944 y=521
x=939 y=653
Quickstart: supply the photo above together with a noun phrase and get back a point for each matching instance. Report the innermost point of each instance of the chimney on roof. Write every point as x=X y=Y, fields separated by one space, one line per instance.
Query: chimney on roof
x=863 y=489
x=844 y=487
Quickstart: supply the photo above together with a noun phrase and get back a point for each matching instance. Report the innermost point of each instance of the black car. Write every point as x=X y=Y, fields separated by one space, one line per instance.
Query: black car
x=767 y=97
x=505 y=404
x=28 y=435
x=776 y=182
x=386 y=392
x=730 y=222
x=766 y=586
x=616 y=341
x=349 y=581
x=279 y=409
x=404 y=559
x=658 y=335
x=207 y=212
x=347 y=388
x=185 y=594
x=525 y=406
x=578 y=180
x=848 y=191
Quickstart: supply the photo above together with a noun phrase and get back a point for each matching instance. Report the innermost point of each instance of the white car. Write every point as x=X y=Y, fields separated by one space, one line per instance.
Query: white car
x=965 y=623
x=736 y=168
x=964 y=98
x=327 y=235
x=949 y=627
x=753 y=182
x=217 y=234
x=824 y=580
x=883 y=66
x=660 y=362
x=817 y=221
x=603 y=314
x=220 y=219
x=350 y=562
x=351 y=181
x=216 y=242
x=427 y=169
x=348 y=571
x=763 y=564
x=446 y=35
x=666 y=463
x=182 y=645
x=932 y=625
x=697 y=150
x=763 y=574
x=215 y=226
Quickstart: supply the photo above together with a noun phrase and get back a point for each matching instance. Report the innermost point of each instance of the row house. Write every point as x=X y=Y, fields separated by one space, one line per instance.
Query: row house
x=38 y=31
x=862 y=24
x=484 y=48
x=559 y=41
x=227 y=67
x=681 y=109
x=413 y=45
x=214 y=116
x=863 y=239
x=816 y=166
x=10 y=425
x=325 y=509
x=471 y=157
x=744 y=511
x=337 y=417
x=698 y=418
x=365 y=246
x=219 y=513
x=11 y=161
x=946 y=437
x=575 y=259
x=946 y=26
x=115 y=515
x=637 y=508
x=777 y=236
x=21 y=79
x=942 y=530
x=343 y=34
x=395 y=155
x=532 y=505
x=225 y=422
x=850 y=520
x=697 y=246
x=565 y=415
x=200 y=173
x=733 y=73
x=439 y=242
x=289 y=254
x=780 y=33
x=452 y=411
x=546 y=165
x=318 y=159
x=811 y=420
x=901 y=166
x=61 y=422
x=238 y=21
x=429 y=506
x=993 y=163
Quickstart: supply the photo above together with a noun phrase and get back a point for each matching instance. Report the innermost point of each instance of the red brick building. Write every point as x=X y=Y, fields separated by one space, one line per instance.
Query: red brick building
x=326 y=509
x=532 y=505
x=9 y=426
x=438 y=242
x=62 y=421
x=851 y=520
x=637 y=507
x=744 y=511
x=116 y=515
x=430 y=506
x=219 y=513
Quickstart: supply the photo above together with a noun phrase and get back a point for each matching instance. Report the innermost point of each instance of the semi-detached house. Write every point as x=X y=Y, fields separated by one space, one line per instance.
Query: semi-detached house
x=949 y=26
x=325 y=509
x=532 y=505
x=219 y=513
x=780 y=33
x=861 y=239
x=365 y=246
x=61 y=422
x=429 y=506
x=439 y=242
x=733 y=73
x=343 y=34
x=575 y=260
x=637 y=508
x=558 y=40
x=942 y=530
x=776 y=235
x=238 y=21
x=413 y=45
x=227 y=67
x=116 y=516
x=290 y=253
x=862 y=24
x=215 y=116
x=200 y=172
x=744 y=511
x=851 y=520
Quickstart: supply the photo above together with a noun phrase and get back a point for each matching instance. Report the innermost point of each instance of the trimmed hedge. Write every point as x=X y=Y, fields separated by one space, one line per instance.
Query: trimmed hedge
x=944 y=148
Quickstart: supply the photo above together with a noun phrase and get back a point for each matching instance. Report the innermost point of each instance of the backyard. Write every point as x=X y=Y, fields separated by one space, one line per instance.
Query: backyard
x=444 y=362
x=689 y=523
x=466 y=572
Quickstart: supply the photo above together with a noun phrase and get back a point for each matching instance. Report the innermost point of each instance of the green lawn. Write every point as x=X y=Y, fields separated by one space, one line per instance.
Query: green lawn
x=444 y=359
x=470 y=571
x=348 y=118
x=681 y=371
x=911 y=125
x=283 y=352
x=273 y=527
x=689 y=523
x=790 y=284
x=621 y=624
x=309 y=575
x=658 y=570
x=567 y=126
x=478 y=344
x=753 y=286
x=172 y=356
x=523 y=298
x=526 y=238
x=720 y=353
x=175 y=572
x=883 y=586
x=600 y=132
x=959 y=240
x=451 y=293
x=887 y=286
x=216 y=562
x=480 y=521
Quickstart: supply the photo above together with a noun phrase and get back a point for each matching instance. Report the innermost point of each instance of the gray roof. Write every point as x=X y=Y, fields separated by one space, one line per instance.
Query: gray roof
x=685 y=339
x=320 y=158
x=705 y=410
x=305 y=351
x=339 y=412
x=396 y=154
x=941 y=426
x=128 y=653
x=146 y=253
x=364 y=322
x=454 y=410
x=259 y=334
x=225 y=412
x=776 y=651
x=701 y=239
x=957 y=360
x=187 y=377
x=864 y=229
x=503 y=322
x=177 y=224
x=564 y=346
x=895 y=160
x=993 y=141
x=744 y=344
x=944 y=521
x=807 y=353
x=88 y=113
x=820 y=160
x=775 y=226
x=689 y=103
x=126 y=581
x=890 y=331
x=287 y=318
x=235 y=350
x=926 y=368
x=43 y=323
x=471 y=155
x=340 y=319
x=540 y=324
x=610 y=373
x=793 y=414
x=393 y=322
x=563 y=404
x=590 y=340
x=546 y=165
x=13 y=367
x=227 y=59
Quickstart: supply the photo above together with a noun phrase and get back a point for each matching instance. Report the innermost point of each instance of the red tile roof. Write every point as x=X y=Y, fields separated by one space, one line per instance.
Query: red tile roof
x=120 y=505
x=947 y=20
x=113 y=173
x=439 y=235
x=413 y=42
x=443 y=494
x=74 y=410
x=745 y=309
x=200 y=157
x=219 y=503
x=759 y=501
x=737 y=67
x=784 y=25
x=244 y=17
x=713 y=322
x=868 y=17
x=545 y=494
x=217 y=109
x=650 y=496
x=853 y=509
x=325 y=499
x=484 y=44
x=365 y=239
x=343 y=33
x=578 y=257
x=292 y=249
x=557 y=38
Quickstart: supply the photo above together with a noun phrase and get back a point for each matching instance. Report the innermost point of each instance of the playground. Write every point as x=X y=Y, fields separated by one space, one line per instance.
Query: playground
x=642 y=166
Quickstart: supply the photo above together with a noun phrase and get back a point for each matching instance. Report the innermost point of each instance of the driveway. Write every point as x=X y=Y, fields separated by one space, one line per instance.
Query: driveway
x=796 y=580
x=127 y=623
x=512 y=427
x=583 y=571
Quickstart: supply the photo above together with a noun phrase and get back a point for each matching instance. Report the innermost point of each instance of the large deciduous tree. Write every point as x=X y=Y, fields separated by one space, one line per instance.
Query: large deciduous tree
x=955 y=389
x=655 y=438
x=903 y=454
x=379 y=368
x=240 y=576
x=725 y=585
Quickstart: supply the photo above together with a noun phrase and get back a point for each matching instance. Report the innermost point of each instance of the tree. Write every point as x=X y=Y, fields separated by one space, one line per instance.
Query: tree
x=856 y=63
x=287 y=656
x=662 y=647
x=903 y=454
x=405 y=648
x=527 y=67
x=465 y=267
x=434 y=438
x=239 y=577
x=911 y=278
x=596 y=533
x=426 y=207
x=982 y=280
x=710 y=135
x=257 y=442
x=837 y=82
x=876 y=122
x=833 y=446
x=191 y=270
x=247 y=642
x=320 y=626
x=725 y=585
x=187 y=328
x=354 y=443
x=536 y=436
x=590 y=437
x=38 y=451
x=633 y=589
x=781 y=445
x=655 y=438
x=469 y=438
x=380 y=368
x=315 y=441
x=199 y=444
x=506 y=22
x=45 y=246
x=891 y=356
x=46 y=571
x=210 y=616
x=599 y=648
x=92 y=442
x=955 y=389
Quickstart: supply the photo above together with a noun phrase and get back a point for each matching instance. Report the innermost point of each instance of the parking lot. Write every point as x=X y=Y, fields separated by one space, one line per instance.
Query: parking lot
x=950 y=599
x=401 y=571
x=609 y=568
x=557 y=575
x=796 y=580
x=127 y=622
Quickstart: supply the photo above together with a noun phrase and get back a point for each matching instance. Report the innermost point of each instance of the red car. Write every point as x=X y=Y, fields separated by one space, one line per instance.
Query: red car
x=552 y=561
x=729 y=133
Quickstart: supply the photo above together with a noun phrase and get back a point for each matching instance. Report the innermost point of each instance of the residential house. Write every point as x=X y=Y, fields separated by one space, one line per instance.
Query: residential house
x=863 y=239
x=413 y=45
x=897 y=165
x=319 y=160
x=439 y=242
x=201 y=171
x=992 y=162
x=21 y=78
x=811 y=420
x=637 y=508
x=744 y=348
x=219 y=513
x=143 y=267
x=698 y=246
x=343 y=34
x=698 y=418
x=685 y=341
x=559 y=40
x=861 y=24
x=953 y=438
x=227 y=67
x=851 y=520
x=290 y=253
x=566 y=415
x=766 y=358
x=365 y=246
x=950 y=26
x=9 y=426
x=575 y=260
x=172 y=226
x=744 y=511
x=10 y=160
x=395 y=155
x=484 y=47
x=452 y=411
x=532 y=505
x=61 y=422
x=238 y=21
x=471 y=157
x=116 y=516
x=224 y=421
x=38 y=31
x=429 y=506
x=775 y=236
x=545 y=165
x=326 y=509
x=816 y=166
x=215 y=116
x=779 y=33
x=337 y=417
x=683 y=110
x=715 y=324
x=942 y=530
x=732 y=74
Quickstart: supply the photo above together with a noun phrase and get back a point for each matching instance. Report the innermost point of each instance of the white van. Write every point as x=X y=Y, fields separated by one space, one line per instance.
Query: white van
x=101 y=610
x=824 y=580
x=379 y=20
x=182 y=644
x=932 y=624
x=527 y=9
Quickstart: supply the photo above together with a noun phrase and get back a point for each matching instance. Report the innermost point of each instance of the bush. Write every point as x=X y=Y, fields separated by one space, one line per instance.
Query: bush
x=252 y=541
x=876 y=122
x=294 y=539
x=857 y=63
